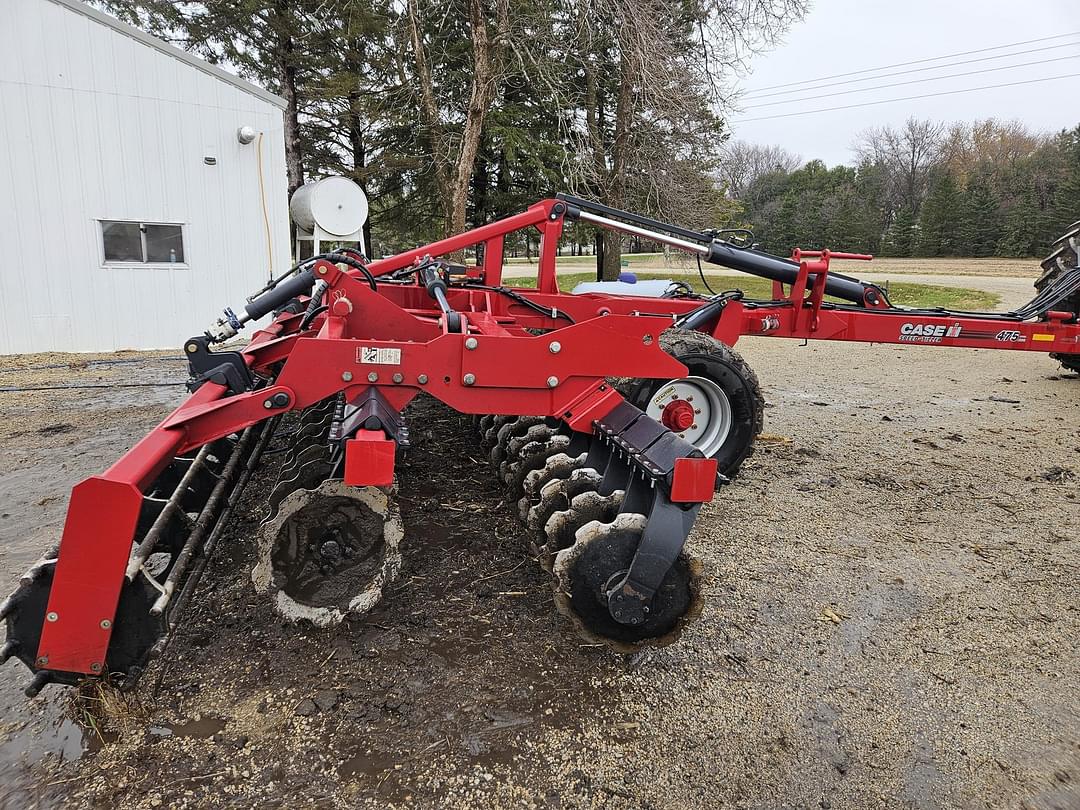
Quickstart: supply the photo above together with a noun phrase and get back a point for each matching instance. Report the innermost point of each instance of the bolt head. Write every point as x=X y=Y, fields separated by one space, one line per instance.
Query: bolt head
x=554 y=347
x=43 y=660
x=552 y=381
x=322 y=271
x=399 y=378
x=192 y=348
x=647 y=339
x=471 y=343
x=106 y=624
x=469 y=379
x=372 y=377
x=51 y=616
x=422 y=379
x=95 y=667
x=347 y=376
x=268 y=404
x=694 y=426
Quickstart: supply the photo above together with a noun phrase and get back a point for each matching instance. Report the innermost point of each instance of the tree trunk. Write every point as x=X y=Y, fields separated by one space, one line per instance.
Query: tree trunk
x=355 y=125
x=481 y=95
x=286 y=64
x=453 y=171
x=619 y=153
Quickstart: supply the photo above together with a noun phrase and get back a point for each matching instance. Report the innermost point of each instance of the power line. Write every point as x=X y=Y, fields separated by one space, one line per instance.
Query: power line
x=906 y=98
x=916 y=62
x=911 y=81
x=757 y=96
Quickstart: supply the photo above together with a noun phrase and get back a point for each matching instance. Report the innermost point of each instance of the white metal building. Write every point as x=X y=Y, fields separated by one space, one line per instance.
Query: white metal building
x=130 y=210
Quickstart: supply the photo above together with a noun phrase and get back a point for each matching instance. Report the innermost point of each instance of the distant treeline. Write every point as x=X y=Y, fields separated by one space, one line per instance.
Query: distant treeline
x=982 y=189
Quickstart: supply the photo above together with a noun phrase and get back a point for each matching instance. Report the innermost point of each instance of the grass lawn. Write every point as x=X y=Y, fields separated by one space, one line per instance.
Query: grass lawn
x=900 y=293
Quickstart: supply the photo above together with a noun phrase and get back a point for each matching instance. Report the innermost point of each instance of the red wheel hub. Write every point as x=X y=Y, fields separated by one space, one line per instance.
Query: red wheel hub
x=678 y=415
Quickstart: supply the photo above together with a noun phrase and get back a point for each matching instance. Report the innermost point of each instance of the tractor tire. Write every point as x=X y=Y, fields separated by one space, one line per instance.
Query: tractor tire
x=1064 y=256
x=721 y=387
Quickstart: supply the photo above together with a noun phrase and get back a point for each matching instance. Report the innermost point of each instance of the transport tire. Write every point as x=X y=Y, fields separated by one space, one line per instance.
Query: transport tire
x=718 y=408
x=1063 y=258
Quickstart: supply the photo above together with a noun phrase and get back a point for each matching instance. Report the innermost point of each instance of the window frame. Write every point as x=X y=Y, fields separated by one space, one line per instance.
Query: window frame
x=142 y=223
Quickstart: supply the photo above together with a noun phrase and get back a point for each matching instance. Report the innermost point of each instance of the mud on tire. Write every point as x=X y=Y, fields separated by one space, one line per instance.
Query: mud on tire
x=704 y=356
x=1063 y=257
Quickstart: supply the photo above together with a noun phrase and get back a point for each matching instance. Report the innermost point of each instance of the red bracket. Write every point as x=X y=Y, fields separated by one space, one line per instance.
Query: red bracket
x=693 y=480
x=369 y=459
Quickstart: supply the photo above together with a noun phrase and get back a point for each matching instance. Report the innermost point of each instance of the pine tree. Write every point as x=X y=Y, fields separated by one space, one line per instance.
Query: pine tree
x=900 y=237
x=939 y=219
x=980 y=226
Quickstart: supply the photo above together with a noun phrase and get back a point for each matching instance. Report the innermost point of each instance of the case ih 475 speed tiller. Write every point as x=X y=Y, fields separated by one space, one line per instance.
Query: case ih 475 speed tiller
x=611 y=418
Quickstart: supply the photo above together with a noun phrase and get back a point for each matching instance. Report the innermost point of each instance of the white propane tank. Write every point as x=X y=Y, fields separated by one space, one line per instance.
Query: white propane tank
x=334 y=205
x=646 y=288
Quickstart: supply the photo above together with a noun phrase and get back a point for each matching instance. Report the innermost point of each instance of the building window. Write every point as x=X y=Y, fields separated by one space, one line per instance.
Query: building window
x=142 y=243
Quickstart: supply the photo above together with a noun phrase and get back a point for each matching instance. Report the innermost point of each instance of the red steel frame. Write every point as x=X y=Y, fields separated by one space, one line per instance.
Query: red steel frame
x=504 y=369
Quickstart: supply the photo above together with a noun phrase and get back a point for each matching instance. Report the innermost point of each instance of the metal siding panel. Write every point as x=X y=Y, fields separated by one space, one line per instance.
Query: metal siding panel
x=11 y=49
x=31 y=41
x=76 y=32
x=14 y=159
x=125 y=66
x=52 y=19
x=39 y=184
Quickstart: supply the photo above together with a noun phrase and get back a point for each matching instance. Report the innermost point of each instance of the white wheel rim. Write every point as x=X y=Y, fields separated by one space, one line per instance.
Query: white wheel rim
x=712 y=411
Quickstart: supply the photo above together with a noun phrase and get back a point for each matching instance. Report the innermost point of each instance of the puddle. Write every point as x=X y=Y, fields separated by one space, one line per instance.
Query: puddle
x=199 y=729
x=33 y=732
x=368 y=764
x=377 y=771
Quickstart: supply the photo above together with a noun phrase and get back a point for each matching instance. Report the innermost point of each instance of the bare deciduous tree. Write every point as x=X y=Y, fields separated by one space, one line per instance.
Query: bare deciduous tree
x=741 y=163
x=652 y=94
x=908 y=154
x=453 y=152
x=998 y=143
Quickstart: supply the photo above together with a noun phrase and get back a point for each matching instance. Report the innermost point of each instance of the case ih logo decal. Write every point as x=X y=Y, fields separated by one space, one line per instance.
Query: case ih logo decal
x=927 y=332
x=933 y=333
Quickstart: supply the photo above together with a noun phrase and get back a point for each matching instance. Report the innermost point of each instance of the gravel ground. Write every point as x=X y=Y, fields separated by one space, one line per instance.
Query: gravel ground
x=891 y=620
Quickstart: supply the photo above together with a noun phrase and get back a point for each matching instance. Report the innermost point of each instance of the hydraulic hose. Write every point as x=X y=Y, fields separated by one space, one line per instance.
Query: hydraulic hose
x=300 y=284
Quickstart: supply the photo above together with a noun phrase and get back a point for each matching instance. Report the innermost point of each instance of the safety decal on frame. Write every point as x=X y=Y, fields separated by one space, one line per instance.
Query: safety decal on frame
x=380 y=357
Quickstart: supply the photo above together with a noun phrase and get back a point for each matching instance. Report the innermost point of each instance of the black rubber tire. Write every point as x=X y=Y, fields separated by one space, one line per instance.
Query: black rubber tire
x=1062 y=259
x=705 y=356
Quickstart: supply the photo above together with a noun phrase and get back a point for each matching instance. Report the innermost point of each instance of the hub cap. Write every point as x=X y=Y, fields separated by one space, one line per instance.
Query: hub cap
x=697 y=409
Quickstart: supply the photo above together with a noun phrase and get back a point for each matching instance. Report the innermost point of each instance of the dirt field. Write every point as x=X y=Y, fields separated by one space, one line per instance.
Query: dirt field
x=891 y=619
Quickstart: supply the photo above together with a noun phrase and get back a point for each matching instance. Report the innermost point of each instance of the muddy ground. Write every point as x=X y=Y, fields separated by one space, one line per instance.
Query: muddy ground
x=891 y=619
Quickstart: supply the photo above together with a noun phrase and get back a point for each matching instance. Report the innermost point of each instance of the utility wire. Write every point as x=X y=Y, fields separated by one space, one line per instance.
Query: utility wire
x=916 y=62
x=906 y=98
x=911 y=81
x=757 y=96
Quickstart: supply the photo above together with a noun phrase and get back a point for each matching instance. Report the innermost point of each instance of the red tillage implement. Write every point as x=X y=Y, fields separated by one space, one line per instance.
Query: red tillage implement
x=610 y=418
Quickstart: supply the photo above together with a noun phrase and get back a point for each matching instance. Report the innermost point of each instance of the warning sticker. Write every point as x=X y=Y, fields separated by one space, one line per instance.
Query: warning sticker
x=377 y=356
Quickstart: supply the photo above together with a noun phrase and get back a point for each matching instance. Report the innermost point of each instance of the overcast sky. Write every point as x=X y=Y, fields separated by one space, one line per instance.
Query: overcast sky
x=841 y=36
